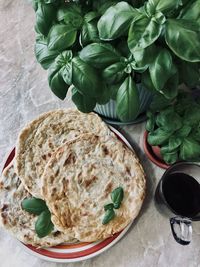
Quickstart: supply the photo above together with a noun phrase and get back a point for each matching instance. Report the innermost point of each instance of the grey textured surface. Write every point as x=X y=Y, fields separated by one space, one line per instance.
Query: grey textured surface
x=24 y=94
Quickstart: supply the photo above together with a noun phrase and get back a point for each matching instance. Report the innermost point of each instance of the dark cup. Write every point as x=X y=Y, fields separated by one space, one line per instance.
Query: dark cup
x=178 y=197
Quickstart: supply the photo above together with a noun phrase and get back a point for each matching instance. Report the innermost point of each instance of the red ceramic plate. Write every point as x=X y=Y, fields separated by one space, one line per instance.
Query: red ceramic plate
x=80 y=251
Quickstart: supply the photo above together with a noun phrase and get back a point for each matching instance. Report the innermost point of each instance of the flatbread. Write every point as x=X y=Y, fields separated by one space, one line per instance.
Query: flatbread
x=44 y=135
x=79 y=178
x=18 y=222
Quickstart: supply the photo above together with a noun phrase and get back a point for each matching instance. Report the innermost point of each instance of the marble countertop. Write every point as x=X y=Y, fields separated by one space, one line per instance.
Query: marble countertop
x=24 y=94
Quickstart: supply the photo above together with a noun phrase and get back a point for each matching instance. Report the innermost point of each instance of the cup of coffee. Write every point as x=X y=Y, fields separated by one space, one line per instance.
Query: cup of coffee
x=178 y=197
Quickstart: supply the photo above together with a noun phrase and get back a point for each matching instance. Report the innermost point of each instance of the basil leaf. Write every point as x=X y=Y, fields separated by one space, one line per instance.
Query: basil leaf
x=189 y=149
x=174 y=142
x=110 y=214
x=117 y=196
x=102 y=5
x=185 y=44
x=99 y=55
x=162 y=5
x=85 y=78
x=70 y=15
x=184 y=131
x=192 y=115
x=44 y=16
x=61 y=37
x=89 y=31
x=83 y=103
x=60 y=74
x=191 y=12
x=170 y=157
x=189 y=73
x=146 y=56
x=170 y=90
x=109 y=206
x=158 y=137
x=43 y=225
x=114 y=73
x=43 y=55
x=150 y=125
x=147 y=82
x=127 y=101
x=143 y=32
x=159 y=102
x=106 y=94
x=164 y=120
x=116 y=21
x=34 y=205
x=162 y=69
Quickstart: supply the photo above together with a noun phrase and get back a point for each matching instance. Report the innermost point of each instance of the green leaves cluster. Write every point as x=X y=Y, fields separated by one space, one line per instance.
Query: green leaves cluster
x=117 y=196
x=175 y=127
x=36 y=206
x=103 y=48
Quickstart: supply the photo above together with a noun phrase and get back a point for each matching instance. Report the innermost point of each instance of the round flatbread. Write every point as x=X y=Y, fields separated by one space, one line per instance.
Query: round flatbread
x=44 y=135
x=17 y=221
x=78 y=181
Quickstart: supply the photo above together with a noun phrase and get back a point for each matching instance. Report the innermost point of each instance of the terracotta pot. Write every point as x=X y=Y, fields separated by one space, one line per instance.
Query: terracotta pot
x=153 y=153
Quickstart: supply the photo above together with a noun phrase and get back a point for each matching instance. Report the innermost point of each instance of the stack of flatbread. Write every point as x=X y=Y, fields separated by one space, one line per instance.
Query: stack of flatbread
x=72 y=161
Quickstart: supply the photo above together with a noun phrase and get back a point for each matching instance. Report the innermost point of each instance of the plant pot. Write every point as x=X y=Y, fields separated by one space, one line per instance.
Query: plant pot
x=109 y=114
x=153 y=153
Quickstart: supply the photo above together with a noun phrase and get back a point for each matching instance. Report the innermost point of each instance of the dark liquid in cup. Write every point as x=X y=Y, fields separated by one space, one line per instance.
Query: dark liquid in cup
x=182 y=193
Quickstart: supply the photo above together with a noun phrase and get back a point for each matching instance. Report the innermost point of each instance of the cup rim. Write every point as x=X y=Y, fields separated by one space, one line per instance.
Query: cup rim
x=165 y=174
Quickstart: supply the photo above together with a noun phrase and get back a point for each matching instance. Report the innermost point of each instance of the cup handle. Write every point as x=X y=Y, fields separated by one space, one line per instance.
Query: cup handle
x=181 y=229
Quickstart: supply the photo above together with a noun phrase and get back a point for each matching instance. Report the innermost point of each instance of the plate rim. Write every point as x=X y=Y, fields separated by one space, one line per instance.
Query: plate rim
x=81 y=258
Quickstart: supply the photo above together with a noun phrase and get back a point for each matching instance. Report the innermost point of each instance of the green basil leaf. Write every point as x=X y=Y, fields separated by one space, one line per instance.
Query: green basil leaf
x=158 y=137
x=162 y=5
x=170 y=89
x=164 y=120
x=102 y=5
x=106 y=94
x=192 y=115
x=99 y=55
x=116 y=21
x=146 y=56
x=184 y=131
x=70 y=15
x=43 y=225
x=191 y=12
x=150 y=124
x=117 y=196
x=109 y=206
x=114 y=89
x=60 y=74
x=162 y=69
x=147 y=82
x=89 y=31
x=174 y=142
x=159 y=102
x=61 y=37
x=34 y=205
x=109 y=215
x=44 y=16
x=183 y=38
x=170 y=157
x=143 y=32
x=189 y=73
x=127 y=100
x=114 y=73
x=85 y=78
x=43 y=55
x=83 y=103
x=190 y=149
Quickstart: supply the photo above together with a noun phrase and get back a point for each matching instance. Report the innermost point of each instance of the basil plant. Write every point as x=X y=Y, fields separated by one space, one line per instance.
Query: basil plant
x=103 y=48
x=175 y=127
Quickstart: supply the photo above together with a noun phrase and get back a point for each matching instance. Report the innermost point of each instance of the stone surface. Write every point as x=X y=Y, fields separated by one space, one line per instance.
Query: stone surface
x=24 y=94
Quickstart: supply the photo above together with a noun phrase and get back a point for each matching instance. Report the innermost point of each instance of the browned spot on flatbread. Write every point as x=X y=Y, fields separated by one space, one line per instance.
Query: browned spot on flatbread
x=70 y=159
x=128 y=170
x=44 y=157
x=105 y=150
x=4 y=208
x=126 y=179
x=65 y=185
x=89 y=182
x=108 y=189
x=57 y=172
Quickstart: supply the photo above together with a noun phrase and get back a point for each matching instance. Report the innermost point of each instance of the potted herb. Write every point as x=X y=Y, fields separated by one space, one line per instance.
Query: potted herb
x=174 y=129
x=111 y=52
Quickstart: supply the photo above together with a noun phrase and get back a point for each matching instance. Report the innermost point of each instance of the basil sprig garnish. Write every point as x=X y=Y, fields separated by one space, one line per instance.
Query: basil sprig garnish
x=36 y=206
x=117 y=196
